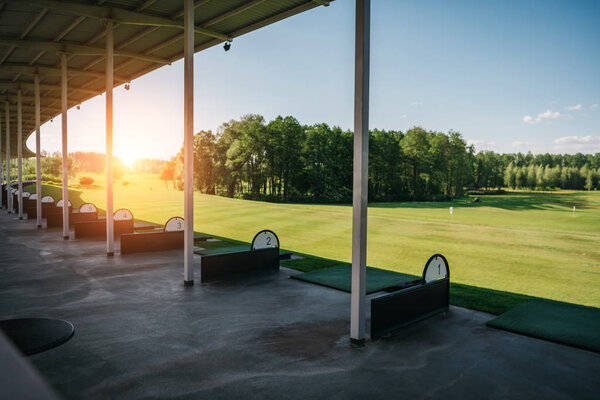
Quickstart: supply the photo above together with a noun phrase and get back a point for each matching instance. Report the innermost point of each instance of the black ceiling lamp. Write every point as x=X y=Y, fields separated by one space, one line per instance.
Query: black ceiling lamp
x=227 y=45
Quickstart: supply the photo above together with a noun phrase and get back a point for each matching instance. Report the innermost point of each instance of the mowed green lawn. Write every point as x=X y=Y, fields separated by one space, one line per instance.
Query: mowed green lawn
x=524 y=242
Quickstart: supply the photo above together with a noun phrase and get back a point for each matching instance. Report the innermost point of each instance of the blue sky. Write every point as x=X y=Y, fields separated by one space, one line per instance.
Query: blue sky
x=509 y=75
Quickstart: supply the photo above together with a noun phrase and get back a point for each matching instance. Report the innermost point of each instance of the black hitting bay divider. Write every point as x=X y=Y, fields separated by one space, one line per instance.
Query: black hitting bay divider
x=123 y=223
x=415 y=303
x=55 y=220
x=216 y=267
x=172 y=237
x=263 y=256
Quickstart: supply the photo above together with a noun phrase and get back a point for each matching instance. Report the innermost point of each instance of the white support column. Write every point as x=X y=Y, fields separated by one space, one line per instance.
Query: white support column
x=1 y=166
x=7 y=123
x=65 y=159
x=38 y=168
x=20 y=151
x=360 y=180
x=110 y=236
x=188 y=144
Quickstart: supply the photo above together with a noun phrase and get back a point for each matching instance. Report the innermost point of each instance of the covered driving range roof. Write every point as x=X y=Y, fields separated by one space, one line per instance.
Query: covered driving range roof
x=148 y=34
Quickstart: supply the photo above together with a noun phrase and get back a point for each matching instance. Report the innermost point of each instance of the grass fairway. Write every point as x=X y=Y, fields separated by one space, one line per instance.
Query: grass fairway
x=526 y=243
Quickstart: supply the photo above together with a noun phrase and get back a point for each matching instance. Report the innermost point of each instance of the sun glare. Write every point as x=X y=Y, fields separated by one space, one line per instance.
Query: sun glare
x=128 y=159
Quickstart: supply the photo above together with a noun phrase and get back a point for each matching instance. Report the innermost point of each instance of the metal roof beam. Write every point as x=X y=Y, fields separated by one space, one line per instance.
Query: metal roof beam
x=25 y=31
x=12 y=99
x=20 y=85
x=231 y=13
x=49 y=70
x=120 y=15
x=78 y=49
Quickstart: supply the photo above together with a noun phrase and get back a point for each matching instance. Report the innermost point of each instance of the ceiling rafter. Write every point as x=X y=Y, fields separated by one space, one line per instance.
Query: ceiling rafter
x=50 y=70
x=25 y=31
x=43 y=86
x=136 y=37
x=71 y=48
x=120 y=15
x=29 y=99
x=231 y=13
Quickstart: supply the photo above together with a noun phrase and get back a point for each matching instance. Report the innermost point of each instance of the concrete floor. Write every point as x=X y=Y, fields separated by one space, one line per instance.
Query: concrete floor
x=139 y=333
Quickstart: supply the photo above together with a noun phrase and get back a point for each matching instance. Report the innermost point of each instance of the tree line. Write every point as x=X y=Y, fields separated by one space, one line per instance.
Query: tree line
x=283 y=160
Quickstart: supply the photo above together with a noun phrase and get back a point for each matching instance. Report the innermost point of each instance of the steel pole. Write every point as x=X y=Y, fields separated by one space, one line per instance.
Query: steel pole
x=1 y=166
x=110 y=237
x=360 y=178
x=38 y=168
x=8 y=193
x=65 y=159
x=188 y=143
x=20 y=152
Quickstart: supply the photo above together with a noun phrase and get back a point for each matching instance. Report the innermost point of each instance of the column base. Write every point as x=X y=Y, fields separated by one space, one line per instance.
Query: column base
x=357 y=342
x=188 y=283
x=39 y=226
x=110 y=253
x=20 y=217
x=65 y=237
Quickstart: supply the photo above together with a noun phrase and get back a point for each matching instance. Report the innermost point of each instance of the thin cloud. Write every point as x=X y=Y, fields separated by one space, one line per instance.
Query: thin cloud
x=403 y=116
x=573 y=108
x=519 y=143
x=528 y=119
x=594 y=106
x=481 y=144
x=416 y=103
x=583 y=144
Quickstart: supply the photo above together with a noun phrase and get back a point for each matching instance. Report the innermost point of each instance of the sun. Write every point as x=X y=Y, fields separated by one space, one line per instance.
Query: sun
x=129 y=158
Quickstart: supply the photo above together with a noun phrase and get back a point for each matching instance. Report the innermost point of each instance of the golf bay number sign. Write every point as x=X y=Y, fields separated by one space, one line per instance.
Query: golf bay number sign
x=435 y=268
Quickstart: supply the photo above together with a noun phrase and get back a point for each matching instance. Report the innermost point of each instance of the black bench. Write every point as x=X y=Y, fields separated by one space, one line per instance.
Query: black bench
x=411 y=304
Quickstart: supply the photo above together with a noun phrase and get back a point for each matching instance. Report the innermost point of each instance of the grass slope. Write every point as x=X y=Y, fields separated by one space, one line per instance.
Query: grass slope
x=531 y=244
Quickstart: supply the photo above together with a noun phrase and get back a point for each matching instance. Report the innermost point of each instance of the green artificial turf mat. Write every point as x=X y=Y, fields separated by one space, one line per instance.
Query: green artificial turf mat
x=222 y=249
x=340 y=277
x=226 y=249
x=309 y=263
x=565 y=323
